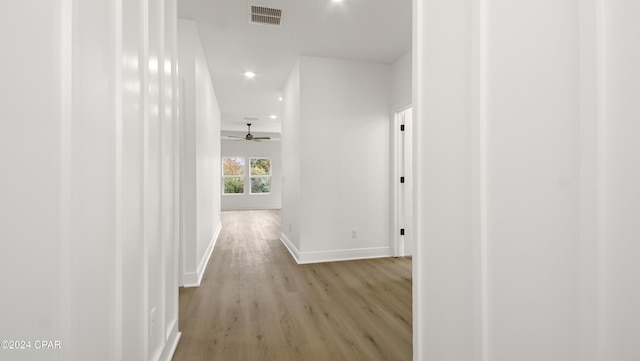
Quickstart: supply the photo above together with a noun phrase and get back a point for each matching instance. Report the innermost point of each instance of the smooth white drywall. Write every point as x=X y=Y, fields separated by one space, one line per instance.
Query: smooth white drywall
x=291 y=143
x=200 y=167
x=401 y=82
x=247 y=150
x=620 y=291
x=345 y=154
x=30 y=156
x=527 y=180
x=342 y=141
x=532 y=184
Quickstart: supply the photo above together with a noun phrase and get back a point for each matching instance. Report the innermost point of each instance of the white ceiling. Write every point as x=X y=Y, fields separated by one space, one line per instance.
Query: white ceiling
x=364 y=30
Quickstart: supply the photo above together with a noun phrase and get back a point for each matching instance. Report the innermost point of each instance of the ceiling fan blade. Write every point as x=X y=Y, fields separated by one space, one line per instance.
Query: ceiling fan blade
x=249 y=136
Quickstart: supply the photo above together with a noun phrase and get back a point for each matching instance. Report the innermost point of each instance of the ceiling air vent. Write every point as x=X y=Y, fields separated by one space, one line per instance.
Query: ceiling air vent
x=264 y=16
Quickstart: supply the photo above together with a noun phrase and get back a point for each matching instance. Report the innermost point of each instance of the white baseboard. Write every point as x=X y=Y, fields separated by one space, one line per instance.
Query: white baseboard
x=295 y=253
x=193 y=279
x=251 y=208
x=207 y=254
x=334 y=255
x=172 y=343
x=344 y=255
x=190 y=279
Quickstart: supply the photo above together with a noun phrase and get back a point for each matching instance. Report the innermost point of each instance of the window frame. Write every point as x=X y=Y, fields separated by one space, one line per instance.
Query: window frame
x=269 y=176
x=243 y=176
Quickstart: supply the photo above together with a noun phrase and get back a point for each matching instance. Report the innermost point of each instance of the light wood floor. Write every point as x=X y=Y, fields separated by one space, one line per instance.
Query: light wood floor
x=256 y=303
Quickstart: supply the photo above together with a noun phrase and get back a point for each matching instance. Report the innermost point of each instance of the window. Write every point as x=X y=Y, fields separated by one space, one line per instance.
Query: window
x=233 y=175
x=260 y=175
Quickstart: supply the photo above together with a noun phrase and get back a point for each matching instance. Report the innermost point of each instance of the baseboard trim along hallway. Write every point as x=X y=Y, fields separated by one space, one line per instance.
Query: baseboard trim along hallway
x=194 y=279
x=335 y=255
x=170 y=347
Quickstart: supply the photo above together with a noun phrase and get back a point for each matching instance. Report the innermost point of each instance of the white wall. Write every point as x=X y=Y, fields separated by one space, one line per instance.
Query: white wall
x=30 y=155
x=344 y=160
x=161 y=225
x=201 y=156
x=245 y=149
x=291 y=144
x=619 y=179
x=88 y=217
x=527 y=189
x=533 y=191
x=401 y=82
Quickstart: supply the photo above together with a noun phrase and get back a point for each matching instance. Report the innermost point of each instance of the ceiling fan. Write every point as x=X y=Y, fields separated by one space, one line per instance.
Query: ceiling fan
x=249 y=136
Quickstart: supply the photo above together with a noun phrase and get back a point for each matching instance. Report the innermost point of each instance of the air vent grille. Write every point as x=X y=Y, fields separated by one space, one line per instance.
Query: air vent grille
x=265 y=16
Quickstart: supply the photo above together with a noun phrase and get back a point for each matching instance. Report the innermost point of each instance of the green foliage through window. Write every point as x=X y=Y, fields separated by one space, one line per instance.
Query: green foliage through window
x=233 y=185
x=260 y=184
x=260 y=166
x=260 y=175
x=232 y=166
x=233 y=175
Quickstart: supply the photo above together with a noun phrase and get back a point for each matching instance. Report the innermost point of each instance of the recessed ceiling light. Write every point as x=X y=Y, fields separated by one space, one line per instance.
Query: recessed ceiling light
x=337 y=1
x=273 y=117
x=280 y=98
x=249 y=74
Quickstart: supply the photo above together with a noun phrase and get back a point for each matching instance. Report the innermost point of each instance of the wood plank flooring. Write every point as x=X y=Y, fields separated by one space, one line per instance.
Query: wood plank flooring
x=256 y=303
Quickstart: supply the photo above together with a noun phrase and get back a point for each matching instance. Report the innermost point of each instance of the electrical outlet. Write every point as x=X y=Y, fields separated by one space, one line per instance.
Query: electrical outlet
x=152 y=321
x=354 y=233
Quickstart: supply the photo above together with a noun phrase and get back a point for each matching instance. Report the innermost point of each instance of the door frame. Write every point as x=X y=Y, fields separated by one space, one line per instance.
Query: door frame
x=402 y=157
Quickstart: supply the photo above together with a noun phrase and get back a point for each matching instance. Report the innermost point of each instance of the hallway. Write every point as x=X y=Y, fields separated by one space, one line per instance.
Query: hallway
x=256 y=303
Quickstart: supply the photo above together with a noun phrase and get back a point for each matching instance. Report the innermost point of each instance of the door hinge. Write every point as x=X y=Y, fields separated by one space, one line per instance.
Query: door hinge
x=401 y=179
x=402 y=231
x=402 y=127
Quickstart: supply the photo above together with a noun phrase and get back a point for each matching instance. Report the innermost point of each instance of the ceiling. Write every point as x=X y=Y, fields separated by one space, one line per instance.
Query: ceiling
x=364 y=30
